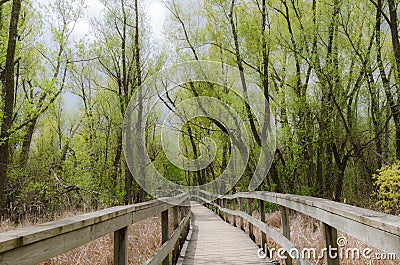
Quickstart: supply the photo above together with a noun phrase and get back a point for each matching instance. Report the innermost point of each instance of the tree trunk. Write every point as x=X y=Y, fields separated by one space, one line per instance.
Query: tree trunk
x=26 y=145
x=196 y=155
x=341 y=165
x=117 y=157
x=319 y=185
x=394 y=29
x=239 y=62
x=142 y=166
x=394 y=106
x=339 y=183
x=125 y=88
x=8 y=97
x=275 y=179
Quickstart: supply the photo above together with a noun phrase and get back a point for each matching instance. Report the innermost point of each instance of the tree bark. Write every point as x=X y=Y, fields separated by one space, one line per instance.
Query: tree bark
x=139 y=132
x=8 y=97
x=394 y=29
x=239 y=62
x=394 y=106
x=26 y=144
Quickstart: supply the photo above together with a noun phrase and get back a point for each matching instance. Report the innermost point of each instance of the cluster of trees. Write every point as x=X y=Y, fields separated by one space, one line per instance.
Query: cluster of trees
x=329 y=69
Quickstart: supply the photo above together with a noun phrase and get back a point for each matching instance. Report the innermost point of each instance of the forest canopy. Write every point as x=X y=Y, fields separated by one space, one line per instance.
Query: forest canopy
x=329 y=70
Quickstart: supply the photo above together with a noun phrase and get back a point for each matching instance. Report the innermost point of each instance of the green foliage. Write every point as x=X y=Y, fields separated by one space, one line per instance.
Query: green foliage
x=387 y=183
x=326 y=93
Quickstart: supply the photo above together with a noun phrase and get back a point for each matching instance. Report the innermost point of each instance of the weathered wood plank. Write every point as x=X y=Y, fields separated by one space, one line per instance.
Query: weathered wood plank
x=32 y=245
x=330 y=241
x=241 y=209
x=166 y=248
x=275 y=235
x=164 y=233
x=175 y=254
x=121 y=246
x=378 y=230
x=382 y=221
x=234 y=208
x=250 y=212
x=28 y=235
x=214 y=241
x=286 y=229
x=262 y=219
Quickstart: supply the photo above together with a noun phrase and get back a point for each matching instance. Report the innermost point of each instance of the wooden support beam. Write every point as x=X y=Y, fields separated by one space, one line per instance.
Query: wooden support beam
x=241 y=209
x=250 y=212
x=219 y=202
x=121 y=246
x=330 y=239
x=225 y=205
x=164 y=233
x=286 y=229
x=234 y=208
x=176 y=252
x=263 y=235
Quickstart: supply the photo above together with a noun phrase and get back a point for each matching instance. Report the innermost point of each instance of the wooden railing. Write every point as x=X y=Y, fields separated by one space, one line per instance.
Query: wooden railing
x=378 y=230
x=32 y=245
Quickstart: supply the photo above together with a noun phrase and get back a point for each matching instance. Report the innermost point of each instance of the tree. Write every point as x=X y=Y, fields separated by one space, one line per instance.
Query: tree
x=8 y=96
x=120 y=40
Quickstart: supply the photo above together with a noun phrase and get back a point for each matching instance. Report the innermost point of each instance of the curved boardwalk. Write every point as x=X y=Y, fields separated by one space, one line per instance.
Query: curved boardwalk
x=213 y=241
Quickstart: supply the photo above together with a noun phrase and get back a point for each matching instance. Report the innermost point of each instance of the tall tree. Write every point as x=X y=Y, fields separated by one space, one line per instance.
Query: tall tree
x=8 y=96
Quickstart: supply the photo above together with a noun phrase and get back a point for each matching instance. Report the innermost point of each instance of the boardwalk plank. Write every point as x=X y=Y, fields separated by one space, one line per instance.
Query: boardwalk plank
x=213 y=241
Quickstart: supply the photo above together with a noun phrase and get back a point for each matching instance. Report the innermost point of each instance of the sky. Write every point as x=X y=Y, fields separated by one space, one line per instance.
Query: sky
x=155 y=9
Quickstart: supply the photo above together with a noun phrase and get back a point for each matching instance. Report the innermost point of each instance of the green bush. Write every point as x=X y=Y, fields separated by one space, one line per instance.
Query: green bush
x=387 y=182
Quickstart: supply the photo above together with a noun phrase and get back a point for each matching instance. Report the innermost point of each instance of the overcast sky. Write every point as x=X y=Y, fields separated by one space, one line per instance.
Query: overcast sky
x=155 y=8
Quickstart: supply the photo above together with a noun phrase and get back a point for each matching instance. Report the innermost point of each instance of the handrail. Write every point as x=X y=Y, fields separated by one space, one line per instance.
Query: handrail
x=32 y=245
x=166 y=248
x=376 y=229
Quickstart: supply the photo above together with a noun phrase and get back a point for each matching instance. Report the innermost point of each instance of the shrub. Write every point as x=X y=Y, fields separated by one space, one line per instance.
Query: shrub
x=387 y=182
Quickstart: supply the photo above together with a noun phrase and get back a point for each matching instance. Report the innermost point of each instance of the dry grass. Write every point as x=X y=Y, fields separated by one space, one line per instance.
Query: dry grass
x=144 y=239
x=7 y=224
x=306 y=232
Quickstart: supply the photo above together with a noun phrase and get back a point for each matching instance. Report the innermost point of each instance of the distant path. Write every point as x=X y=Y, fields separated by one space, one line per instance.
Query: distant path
x=214 y=241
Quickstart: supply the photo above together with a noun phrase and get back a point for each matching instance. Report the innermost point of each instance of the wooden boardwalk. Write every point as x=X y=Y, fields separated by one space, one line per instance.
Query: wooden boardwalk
x=213 y=241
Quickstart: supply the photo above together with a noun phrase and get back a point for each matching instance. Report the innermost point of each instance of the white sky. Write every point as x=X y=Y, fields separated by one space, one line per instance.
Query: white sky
x=155 y=10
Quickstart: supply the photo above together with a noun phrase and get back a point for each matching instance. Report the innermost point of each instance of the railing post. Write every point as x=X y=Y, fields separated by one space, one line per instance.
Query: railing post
x=263 y=235
x=224 y=205
x=330 y=238
x=241 y=209
x=164 y=233
x=175 y=253
x=220 y=205
x=249 y=212
x=121 y=246
x=286 y=230
x=234 y=208
x=227 y=206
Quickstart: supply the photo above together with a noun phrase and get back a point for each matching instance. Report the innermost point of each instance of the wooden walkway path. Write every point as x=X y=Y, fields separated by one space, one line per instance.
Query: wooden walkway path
x=214 y=241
